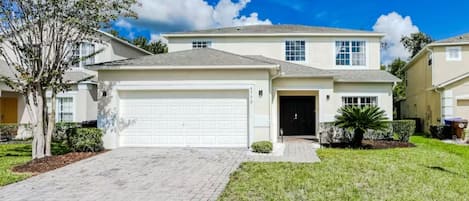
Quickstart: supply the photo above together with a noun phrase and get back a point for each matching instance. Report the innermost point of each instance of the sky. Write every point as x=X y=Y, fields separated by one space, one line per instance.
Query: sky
x=395 y=18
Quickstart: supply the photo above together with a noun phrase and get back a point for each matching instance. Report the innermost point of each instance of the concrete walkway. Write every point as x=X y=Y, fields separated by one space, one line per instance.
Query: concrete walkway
x=146 y=174
x=296 y=152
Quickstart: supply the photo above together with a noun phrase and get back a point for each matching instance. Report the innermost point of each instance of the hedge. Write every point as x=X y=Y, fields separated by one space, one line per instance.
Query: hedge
x=86 y=140
x=403 y=129
x=262 y=147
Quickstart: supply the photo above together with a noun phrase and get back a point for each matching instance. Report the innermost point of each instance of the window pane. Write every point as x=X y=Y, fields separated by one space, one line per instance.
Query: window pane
x=65 y=109
x=359 y=101
x=295 y=50
x=201 y=44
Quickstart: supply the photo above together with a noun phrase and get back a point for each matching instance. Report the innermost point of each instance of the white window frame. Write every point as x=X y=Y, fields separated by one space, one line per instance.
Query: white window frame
x=68 y=94
x=73 y=108
x=197 y=44
x=449 y=51
x=360 y=101
x=305 y=50
x=350 y=40
x=81 y=53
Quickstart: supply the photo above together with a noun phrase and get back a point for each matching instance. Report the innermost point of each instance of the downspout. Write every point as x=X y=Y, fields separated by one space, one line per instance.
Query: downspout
x=279 y=73
x=441 y=107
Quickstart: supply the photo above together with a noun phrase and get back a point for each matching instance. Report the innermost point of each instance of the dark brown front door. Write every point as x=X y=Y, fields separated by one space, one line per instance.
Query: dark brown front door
x=297 y=115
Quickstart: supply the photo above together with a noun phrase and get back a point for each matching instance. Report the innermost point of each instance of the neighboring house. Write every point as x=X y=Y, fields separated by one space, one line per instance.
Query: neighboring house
x=438 y=82
x=80 y=102
x=230 y=87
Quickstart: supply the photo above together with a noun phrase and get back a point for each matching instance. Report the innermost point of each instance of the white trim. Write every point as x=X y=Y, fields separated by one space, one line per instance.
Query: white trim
x=453 y=48
x=351 y=67
x=207 y=86
x=285 y=50
x=74 y=106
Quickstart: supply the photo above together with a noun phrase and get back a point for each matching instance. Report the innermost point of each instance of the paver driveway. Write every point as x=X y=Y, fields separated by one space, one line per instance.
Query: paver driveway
x=131 y=174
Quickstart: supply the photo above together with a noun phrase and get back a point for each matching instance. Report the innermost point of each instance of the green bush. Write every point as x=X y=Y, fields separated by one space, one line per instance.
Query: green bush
x=262 y=147
x=8 y=131
x=86 y=140
x=63 y=130
x=403 y=129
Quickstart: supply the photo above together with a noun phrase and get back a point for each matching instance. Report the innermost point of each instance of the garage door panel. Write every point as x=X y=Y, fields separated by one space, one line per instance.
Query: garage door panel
x=184 y=118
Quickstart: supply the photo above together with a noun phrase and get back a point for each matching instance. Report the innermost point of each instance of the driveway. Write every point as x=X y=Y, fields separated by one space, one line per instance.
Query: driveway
x=135 y=174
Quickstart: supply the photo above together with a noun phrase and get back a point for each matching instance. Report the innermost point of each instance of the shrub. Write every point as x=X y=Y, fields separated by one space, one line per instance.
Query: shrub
x=63 y=131
x=262 y=147
x=86 y=140
x=8 y=131
x=441 y=132
x=403 y=129
x=360 y=119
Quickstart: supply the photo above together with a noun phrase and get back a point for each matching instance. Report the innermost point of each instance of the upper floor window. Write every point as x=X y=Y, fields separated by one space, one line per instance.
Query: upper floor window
x=83 y=53
x=350 y=53
x=360 y=101
x=453 y=53
x=295 y=50
x=201 y=44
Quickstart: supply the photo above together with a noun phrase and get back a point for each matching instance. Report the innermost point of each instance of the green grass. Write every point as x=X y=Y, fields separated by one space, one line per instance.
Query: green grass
x=431 y=171
x=16 y=154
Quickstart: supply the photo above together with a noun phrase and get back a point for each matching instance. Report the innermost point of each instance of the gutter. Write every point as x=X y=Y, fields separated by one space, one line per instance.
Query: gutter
x=187 y=35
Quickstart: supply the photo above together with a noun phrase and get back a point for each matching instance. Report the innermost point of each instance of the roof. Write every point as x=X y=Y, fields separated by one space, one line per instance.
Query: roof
x=124 y=42
x=274 y=29
x=364 y=76
x=71 y=76
x=464 y=38
x=206 y=58
x=289 y=69
x=183 y=59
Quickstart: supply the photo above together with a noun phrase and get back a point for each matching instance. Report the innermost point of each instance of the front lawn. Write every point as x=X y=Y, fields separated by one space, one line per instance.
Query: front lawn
x=431 y=171
x=16 y=154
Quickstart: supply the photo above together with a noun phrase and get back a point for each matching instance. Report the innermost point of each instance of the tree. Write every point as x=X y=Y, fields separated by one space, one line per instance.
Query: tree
x=155 y=47
x=360 y=119
x=416 y=42
x=37 y=40
x=397 y=69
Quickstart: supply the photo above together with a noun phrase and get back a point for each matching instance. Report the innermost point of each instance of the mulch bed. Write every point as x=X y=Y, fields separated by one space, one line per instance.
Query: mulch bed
x=385 y=144
x=376 y=144
x=49 y=163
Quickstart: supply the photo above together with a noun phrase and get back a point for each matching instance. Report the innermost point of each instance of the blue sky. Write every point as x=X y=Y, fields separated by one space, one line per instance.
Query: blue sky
x=439 y=19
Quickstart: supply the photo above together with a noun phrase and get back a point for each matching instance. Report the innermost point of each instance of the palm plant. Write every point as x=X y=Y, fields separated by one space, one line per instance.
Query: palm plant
x=360 y=119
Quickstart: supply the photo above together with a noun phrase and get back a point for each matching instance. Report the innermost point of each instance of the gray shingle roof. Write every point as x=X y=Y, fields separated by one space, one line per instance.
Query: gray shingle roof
x=258 y=29
x=364 y=76
x=193 y=57
x=456 y=39
x=295 y=70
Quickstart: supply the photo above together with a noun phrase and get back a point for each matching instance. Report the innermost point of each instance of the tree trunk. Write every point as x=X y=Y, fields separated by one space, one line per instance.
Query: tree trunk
x=50 y=124
x=36 y=108
x=357 y=138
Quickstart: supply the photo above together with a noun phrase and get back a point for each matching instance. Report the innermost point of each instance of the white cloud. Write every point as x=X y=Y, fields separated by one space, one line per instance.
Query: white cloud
x=183 y=15
x=395 y=27
x=124 y=24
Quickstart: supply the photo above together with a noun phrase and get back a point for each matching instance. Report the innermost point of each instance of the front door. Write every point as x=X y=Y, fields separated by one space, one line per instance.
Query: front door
x=297 y=115
x=8 y=110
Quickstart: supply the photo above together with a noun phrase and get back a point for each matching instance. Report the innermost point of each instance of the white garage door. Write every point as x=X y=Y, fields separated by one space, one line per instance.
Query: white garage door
x=184 y=118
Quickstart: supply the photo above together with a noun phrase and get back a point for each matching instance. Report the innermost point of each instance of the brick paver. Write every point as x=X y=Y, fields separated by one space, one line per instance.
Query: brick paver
x=143 y=174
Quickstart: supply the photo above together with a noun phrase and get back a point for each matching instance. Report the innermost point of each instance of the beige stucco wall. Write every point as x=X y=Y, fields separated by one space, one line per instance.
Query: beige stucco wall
x=445 y=70
x=112 y=81
x=265 y=108
x=383 y=92
x=421 y=101
x=320 y=51
x=460 y=98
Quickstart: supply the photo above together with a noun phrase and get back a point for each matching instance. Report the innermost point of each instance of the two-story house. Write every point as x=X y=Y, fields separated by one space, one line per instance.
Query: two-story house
x=438 y=82
x=80 y=102
x=229 y=87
